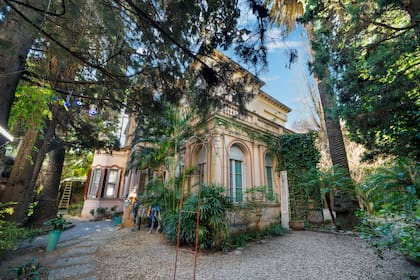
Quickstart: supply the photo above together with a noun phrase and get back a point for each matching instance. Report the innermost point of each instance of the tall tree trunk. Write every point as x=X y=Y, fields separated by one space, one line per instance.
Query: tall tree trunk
x=413 y=9
x=48 y=135
x=345 y=203
x=47 y=204
x=18 y=185
x=16 y=39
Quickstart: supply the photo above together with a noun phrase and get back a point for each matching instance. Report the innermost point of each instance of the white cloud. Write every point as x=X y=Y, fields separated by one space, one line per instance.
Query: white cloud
x=283 y=45
x=270 y=78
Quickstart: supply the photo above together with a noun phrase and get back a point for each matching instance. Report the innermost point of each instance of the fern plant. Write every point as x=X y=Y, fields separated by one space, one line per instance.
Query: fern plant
x=395 y=187
x=213 y=227
x=394 y=219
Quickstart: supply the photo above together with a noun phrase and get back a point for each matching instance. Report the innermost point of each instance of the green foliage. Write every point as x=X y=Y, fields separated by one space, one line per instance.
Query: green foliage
x=389 y=231
x=395 y=187
x=58 y=223
x=242 y=238
x=327 y=181
x=31 y=270
x=100 y=211
x=30 y=109
x=394 y=221
x=256 y=203
x=167 y=132
x=162 y=194
x=213 y=227
x=297 y=154
x=9 y=232
x=367 y=55
x=75 y=209
x=77 y=163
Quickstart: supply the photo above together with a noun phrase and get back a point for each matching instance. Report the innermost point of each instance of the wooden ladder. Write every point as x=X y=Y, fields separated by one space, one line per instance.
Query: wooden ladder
x=65 y=197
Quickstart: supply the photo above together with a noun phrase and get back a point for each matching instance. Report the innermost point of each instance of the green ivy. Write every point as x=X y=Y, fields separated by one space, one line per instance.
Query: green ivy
x=297 y=154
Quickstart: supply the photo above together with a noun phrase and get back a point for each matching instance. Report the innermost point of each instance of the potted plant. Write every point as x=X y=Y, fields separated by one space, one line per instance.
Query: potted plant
x=118 y=217
x=56 y=226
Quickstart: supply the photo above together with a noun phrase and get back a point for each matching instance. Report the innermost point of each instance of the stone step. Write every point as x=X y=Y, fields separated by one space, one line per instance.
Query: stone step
x=72 y=261
x=74 y=271
x=79 y=251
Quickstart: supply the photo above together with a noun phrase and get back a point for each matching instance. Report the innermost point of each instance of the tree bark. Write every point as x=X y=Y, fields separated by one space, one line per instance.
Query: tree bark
x=16 y=39
x=413 y=9
x=345 y=203
x=18 y=187
x=47 y=205
x=49 y=132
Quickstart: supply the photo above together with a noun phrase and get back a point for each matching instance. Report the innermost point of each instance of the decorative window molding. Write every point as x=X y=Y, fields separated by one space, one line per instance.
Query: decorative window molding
x=236 y=174
x=268 y=163
x=95 y=182
x=202 y=161
x=112 y=183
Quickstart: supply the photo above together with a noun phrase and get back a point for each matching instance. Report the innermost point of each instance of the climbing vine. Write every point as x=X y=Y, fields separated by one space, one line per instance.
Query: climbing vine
x=297 y=154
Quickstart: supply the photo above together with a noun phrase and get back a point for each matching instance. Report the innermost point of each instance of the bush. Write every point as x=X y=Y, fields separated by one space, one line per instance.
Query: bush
x=9 y=232
x=213 y=226
x=57 y=223
x=30 y=270
x=159 y=193
x=394 y=218
x=76 y=209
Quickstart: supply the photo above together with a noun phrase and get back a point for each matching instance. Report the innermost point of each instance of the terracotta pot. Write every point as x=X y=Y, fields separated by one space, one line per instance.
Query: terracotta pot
x=297 y=224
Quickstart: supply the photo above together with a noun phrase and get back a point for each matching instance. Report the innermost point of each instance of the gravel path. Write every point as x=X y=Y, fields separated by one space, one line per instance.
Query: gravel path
x=298 y=255
x=98 y=250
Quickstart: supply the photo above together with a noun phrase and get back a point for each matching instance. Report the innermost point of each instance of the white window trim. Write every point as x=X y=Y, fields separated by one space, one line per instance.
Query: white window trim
x=116 y=184
x=93 y=188
x=232 y=169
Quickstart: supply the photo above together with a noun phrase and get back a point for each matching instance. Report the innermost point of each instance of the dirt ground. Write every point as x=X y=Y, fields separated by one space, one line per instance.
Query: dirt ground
x=127 y=254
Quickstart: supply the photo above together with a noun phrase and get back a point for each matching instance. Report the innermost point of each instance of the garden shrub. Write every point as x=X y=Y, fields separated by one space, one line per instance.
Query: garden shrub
x=9 y=232
x=393 y=222
x=29 y=271
x=158 y=193
x=214 y=225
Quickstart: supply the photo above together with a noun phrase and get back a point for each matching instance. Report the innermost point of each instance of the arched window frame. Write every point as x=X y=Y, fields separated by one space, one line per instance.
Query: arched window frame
x=202 y=163
x=236 y=173
x=269 y=172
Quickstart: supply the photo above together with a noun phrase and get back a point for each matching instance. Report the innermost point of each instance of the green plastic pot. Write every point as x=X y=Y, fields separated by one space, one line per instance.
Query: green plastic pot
x=53 y=237
x=117 y=220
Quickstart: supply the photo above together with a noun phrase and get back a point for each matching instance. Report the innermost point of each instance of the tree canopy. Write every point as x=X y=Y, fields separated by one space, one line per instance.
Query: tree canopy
x=368 y=54
x=127 y=51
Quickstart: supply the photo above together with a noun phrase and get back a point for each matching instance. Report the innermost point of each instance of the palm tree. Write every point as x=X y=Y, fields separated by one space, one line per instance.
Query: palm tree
x=285 y=13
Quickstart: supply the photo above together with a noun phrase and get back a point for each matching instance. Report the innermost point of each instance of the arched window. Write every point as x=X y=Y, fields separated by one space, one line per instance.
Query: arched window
x=236 y=182
x=202 y=159
x=95 y=181
x=268 y=163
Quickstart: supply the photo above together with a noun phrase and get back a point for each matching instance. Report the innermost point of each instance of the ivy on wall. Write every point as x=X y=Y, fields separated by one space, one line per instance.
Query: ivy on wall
x=295 y=153
x=298 y=155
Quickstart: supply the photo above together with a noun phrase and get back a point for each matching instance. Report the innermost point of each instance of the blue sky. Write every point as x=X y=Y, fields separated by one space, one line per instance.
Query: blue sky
x=288 y=85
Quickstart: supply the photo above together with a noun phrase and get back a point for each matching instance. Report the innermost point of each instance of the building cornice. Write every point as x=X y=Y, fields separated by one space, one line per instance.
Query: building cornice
x=274 y=101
